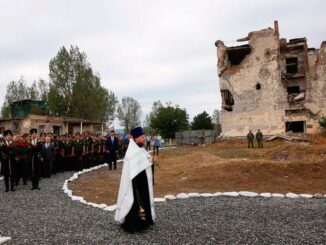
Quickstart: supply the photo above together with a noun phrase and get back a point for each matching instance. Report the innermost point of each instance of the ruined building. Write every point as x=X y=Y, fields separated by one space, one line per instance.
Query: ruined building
x=271 y=84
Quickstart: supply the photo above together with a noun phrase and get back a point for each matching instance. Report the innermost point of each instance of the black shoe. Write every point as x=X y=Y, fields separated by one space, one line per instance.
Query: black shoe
x=33 y=188
x=38 y=188
x=7 y=190
x=12 y=189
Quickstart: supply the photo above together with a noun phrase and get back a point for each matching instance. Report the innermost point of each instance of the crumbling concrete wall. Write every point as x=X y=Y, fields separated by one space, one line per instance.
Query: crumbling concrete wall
x=255 y=92
x=317 y=77
x=254 y=108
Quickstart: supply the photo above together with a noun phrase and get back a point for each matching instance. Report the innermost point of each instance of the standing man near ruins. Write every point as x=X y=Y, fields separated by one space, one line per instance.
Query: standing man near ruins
x=35 y=160
x=8 y=161
x=135 y=206
x=250 y=138
x=259 y=138
x=48 y=155
x=111 y=145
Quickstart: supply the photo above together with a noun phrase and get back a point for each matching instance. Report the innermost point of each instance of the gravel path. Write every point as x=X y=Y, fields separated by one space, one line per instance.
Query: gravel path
x=48 y=216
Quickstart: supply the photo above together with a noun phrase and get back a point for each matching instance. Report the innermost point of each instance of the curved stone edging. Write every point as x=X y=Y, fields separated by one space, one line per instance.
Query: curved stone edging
x=4 y=240
x=182 y=195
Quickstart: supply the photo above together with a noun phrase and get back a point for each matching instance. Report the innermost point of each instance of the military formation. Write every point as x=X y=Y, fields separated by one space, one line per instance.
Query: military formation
x=30 y=157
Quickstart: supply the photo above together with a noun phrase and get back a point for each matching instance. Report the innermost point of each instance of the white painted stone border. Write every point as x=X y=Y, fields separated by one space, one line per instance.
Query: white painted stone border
x=182 y=195
x=4 y=240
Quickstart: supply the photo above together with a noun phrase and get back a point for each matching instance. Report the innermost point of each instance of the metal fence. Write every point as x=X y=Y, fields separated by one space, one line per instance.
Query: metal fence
x=196 y=137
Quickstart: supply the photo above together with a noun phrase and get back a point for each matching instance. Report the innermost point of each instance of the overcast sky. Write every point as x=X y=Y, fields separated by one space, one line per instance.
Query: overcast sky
x=150 y=49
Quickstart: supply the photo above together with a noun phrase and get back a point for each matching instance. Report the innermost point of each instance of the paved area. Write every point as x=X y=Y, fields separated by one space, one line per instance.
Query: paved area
x=48 y=216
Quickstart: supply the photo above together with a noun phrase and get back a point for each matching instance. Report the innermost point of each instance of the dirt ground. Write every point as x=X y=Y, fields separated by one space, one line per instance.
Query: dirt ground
x=280 y=167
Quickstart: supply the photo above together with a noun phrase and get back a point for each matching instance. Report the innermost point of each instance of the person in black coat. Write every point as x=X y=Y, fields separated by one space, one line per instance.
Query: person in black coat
x=111 y=147
x=35 y=160
x=48 y=157
x=8 y=161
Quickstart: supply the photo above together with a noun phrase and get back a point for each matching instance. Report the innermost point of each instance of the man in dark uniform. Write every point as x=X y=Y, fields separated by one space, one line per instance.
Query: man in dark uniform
x=89 y=147
x=69 y=153
x=259 y=138
x=35 y=161
x=8 y=161
x=79 y=152
x=111 y=146
x=21 y=151
x=59 y=154
x=250 y=138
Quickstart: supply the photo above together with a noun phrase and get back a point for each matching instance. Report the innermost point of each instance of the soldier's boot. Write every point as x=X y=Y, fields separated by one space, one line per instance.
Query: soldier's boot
x=7 y=183
x=12 y=183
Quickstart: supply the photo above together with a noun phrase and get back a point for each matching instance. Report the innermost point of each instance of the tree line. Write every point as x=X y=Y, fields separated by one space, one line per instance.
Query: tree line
x=75 y=90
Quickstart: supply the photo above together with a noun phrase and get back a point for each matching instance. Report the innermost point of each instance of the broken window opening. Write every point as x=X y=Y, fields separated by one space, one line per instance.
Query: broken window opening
x=237 y=54
x=292 y=65
x=258 y=86
x=296 y=126
x=293 y=90
x=227 y=100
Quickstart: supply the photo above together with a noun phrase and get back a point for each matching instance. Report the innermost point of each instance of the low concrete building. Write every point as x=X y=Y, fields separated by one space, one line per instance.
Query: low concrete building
x=29 y=114
x=271 y=84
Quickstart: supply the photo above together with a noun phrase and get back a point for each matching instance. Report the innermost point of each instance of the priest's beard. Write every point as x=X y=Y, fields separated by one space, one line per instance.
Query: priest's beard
x=140 y=144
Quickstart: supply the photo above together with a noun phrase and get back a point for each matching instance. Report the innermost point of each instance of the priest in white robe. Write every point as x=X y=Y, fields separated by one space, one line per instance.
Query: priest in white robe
x=135 y=206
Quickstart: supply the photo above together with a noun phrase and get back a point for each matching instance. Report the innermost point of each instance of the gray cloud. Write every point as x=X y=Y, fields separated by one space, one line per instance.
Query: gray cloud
x=151 y=50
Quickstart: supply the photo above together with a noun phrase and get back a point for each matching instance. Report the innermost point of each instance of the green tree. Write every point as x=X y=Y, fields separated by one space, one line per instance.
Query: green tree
x=129 y=113
x=168 y=119
x=16 y=90
x=75 y=90
x=202 y=121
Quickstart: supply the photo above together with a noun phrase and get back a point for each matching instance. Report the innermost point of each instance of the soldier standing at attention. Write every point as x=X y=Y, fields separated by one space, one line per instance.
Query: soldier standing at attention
x=79 y=152
x=8 y=161
x=250 y=138
x=35 y=161
x=259 y=138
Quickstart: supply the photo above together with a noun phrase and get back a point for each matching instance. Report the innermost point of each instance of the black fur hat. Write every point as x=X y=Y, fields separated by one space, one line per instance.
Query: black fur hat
x=33 y=130
x=7 y=132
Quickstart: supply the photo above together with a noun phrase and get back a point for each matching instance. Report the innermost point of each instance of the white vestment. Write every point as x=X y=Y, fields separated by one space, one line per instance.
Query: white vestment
x=136 y=160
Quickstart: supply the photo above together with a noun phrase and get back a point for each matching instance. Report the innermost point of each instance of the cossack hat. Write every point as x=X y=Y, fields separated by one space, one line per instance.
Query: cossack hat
x=136 y=132
x=7 y=132
x=33 y=130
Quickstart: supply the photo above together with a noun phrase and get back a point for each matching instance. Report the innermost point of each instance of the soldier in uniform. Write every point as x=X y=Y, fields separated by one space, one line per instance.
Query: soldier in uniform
x=59 y=153
x=69 y=153
x=250 y=138
x=79 y=152
x=96 y=150
x=35 y=160
x=21 y=159
x=89 y=146
x=259 y=138
x=8 y=161
x=102 y=148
